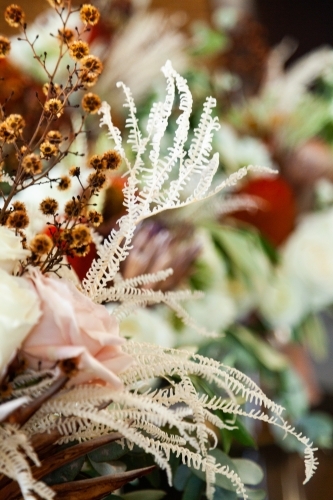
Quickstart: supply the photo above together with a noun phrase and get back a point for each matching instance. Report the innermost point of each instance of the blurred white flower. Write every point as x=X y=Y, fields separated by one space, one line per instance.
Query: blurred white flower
x=19 y=312
x=149 y=325
x=308 y=258
x=283 y=302
x=238 y=151
x=11 y=250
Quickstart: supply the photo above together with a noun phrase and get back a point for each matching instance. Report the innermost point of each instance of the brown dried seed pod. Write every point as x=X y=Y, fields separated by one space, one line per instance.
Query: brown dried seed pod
x=91 y=103
x=49 y=206
x=32 y=164
x=14 y=16
x=18 y=219
x=64 y=183
x=78 y=50
x=4 y=46
x=41 y=244
x=89 y=14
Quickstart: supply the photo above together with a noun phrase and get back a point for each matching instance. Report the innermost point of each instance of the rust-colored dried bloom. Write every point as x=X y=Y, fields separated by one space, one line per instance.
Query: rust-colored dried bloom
x=54 y=107
x=81 y=251
x=32 y=164
x=14 y=16
x=66 y=238
x=111 y=159
x=51 y=89
x=66 y=35
x=96 y=180
x=18 y=205
x=56 y=3
x=49 y=206
x=7 y=134
x=4 y=46
x=41 y=244
x=47 y=150
x=78 y=50
x=73 y=208
x=74 y=171
x=54 y=137
x=18 y=219
x=95 y=218
x=91 y=103
x=89 y=79
x=96 y=162
x=89 y=14
x=92 y=65
x=81 y=235
x=16 y=123
x=69 y=367
x=64 y=183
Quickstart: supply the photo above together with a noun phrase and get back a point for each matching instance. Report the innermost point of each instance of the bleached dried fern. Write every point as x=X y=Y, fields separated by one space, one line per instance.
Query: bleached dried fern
x=85 y=412
x=174 y=419
x=148 y=190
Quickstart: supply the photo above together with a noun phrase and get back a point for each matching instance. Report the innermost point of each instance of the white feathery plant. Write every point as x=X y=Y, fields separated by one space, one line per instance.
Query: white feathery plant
x=176 y=419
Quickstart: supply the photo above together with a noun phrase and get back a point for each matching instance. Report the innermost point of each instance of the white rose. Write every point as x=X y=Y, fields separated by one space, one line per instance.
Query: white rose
x=19 y=312
x=308 y=258
x=11 y=250
x=149 y=325
x=283 y=302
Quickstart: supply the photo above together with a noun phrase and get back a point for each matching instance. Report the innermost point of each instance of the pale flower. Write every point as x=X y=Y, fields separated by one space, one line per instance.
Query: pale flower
x=284 y=302
x=307 y=258
x=72 y=326
x=19 y=312
x=151 y=326
x=11 y=250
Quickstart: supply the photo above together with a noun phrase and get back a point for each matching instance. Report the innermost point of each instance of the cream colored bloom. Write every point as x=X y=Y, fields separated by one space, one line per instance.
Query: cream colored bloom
x=11 y=250
x=19 y=312
x=308 y=258
x=72 y=326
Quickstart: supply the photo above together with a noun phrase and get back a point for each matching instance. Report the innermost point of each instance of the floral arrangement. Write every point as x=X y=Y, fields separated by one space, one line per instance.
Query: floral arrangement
x=68 y=376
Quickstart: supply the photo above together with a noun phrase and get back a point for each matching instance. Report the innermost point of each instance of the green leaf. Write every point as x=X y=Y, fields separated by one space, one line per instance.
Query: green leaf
x=144 y=495
x=318 y=427
x=249 y=472
x=106 y=468
x=256 y=494
x=111 y=451
x=241 y=434
x=66 y=473
x=193 y=489
x=181 y=477
x=222 y=494
x=221 y=459
x=207 y=41
x=270 y=358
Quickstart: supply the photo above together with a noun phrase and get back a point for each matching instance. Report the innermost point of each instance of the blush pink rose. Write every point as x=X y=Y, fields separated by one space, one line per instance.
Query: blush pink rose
x=72 y=326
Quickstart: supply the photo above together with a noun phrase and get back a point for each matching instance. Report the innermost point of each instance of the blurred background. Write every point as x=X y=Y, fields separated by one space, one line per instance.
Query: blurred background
x=267 y=271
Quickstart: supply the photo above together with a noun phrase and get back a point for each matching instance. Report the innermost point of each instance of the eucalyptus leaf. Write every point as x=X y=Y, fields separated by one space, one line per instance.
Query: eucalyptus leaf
x=181 y=477
x=223 y=494
x=108 y=468
x=193 y=489
x=249 y=472
x=256 y=494
x=111 y=451
x=66 y=473
x=240 y=434
x=220 y=480
x=144 y=495
x=265 y=354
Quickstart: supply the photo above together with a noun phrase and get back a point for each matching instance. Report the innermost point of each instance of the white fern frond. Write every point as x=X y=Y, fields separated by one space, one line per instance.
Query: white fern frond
x=148 y=190
x=15 y=450
x=114 y=132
